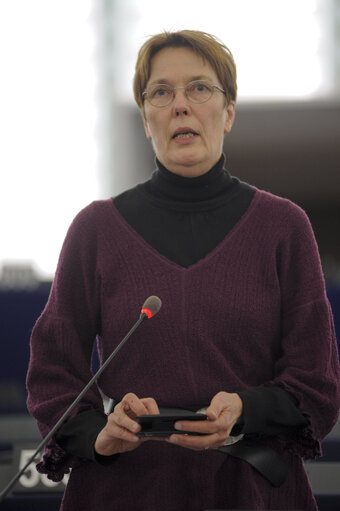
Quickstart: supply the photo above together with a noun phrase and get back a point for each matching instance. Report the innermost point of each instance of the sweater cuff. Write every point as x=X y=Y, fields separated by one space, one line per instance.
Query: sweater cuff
x=270 y=411
x=78 y=435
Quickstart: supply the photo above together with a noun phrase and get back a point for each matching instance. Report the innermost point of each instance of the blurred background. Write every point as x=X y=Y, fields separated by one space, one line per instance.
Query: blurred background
x=70 y=133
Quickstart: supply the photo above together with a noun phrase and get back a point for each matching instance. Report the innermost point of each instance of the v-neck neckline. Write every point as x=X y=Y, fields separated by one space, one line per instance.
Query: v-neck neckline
x=201 y=262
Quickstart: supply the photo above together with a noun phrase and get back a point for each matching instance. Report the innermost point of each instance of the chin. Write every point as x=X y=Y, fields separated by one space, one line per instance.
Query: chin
x=189 y=160
x=191 y=169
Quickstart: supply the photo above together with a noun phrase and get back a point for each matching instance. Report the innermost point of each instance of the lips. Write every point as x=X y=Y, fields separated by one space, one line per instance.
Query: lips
x=184 y=132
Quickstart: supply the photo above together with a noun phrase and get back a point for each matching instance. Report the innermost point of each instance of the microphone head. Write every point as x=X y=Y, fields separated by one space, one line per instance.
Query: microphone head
x=151 y=306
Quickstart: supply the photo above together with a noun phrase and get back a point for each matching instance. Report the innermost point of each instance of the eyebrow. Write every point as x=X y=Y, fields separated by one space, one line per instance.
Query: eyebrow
x=191 y=79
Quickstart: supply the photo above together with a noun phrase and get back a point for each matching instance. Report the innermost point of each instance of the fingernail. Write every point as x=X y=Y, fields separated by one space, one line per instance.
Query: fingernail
x=178 y=425
x=173 y=439
x=135 y=427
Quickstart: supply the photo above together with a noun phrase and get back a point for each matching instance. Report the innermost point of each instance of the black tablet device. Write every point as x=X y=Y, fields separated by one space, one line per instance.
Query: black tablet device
x=163 y=424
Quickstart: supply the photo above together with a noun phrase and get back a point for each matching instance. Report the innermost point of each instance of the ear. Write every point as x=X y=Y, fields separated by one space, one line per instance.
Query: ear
x=230 y=117
x=146 y=126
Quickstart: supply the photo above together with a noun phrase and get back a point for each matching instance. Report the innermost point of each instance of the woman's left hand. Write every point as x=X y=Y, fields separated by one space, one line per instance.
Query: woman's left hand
x=224 y=411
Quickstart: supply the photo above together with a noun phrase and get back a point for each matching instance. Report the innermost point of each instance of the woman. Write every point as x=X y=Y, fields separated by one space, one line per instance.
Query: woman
x=245 y=329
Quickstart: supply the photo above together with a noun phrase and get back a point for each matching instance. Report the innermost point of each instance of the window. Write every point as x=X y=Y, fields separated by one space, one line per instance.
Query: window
x=48 y=156
x=284 y=50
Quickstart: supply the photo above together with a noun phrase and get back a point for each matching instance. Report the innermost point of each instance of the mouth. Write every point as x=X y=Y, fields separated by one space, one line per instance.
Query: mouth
x=184 y=133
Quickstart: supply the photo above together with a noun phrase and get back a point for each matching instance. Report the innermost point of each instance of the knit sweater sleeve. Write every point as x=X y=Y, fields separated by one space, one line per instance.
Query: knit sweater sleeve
x=62 y=340
x=307 y=365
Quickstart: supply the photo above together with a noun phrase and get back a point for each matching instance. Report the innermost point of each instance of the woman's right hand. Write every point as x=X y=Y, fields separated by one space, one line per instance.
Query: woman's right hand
x=119 y=434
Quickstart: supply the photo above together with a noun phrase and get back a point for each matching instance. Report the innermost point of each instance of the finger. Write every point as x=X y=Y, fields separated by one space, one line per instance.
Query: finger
x=217 y=405
x=228 y=405
x=151 y=405
x=116 y=431
x=120 y=419
x=194 y=442
x=204 y=426
x=217 y=431
x=124 y=413
x=212 y=413
x=153 y=439
x=132 y=402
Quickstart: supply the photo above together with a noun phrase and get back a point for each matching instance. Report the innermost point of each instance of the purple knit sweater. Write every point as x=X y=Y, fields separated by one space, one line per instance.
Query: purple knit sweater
x=252 y=312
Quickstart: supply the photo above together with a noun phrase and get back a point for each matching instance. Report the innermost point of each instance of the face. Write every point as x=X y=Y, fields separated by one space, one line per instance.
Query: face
x=193 y=155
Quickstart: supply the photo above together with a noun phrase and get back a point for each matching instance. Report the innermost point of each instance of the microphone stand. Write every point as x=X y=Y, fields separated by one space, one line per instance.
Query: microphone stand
x=62 y=419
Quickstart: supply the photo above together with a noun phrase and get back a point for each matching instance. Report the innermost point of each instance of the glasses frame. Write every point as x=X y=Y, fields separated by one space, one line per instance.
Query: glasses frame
x=216 y=87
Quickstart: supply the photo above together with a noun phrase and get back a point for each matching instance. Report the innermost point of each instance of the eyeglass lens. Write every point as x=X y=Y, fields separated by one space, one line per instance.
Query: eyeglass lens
x=162 y=94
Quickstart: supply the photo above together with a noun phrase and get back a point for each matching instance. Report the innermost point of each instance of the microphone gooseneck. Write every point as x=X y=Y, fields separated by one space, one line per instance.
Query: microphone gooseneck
x=150 y=307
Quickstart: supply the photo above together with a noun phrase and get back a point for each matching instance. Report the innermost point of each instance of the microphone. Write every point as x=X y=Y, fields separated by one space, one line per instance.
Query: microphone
x=150 y=307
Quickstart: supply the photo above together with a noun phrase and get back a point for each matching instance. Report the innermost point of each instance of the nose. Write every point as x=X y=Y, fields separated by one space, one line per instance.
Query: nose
x=181 y=105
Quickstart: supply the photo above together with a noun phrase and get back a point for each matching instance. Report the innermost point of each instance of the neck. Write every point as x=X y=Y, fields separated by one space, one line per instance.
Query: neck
x=171 y=186
x=191 y=171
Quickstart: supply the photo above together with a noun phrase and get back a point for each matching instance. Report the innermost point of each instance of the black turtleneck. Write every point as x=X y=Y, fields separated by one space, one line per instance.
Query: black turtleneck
x=184 y=219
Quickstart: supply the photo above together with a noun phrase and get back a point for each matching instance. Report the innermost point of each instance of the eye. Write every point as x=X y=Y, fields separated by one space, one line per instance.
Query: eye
x=159 y=91
x=199 y=91
x=199 y=87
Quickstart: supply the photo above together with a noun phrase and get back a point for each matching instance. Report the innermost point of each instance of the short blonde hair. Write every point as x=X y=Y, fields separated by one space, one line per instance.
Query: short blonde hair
x=206 y=45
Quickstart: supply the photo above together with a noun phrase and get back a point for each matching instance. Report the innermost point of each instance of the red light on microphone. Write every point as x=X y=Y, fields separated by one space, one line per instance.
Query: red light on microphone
x=151 y=306
x=148 y=312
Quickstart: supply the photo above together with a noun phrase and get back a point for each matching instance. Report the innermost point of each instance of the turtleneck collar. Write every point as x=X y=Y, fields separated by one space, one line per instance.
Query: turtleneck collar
x=211 y=185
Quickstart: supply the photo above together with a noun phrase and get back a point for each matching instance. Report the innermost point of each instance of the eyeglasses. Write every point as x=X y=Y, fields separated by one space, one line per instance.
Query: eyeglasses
x=198 y=91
